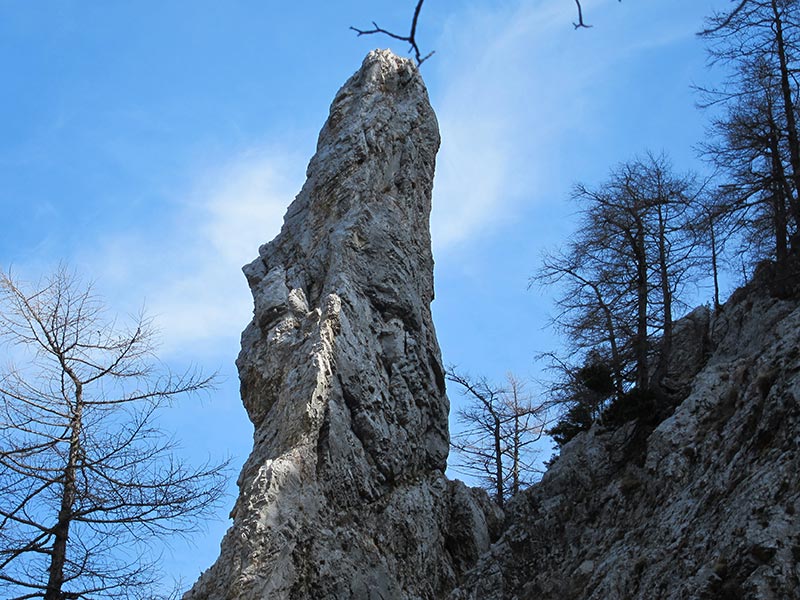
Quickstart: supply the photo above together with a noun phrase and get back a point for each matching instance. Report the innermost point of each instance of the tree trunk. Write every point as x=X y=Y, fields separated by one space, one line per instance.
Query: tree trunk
x=781 y=187
x=640 y=255
x=714 y=266
x=666 y=291
x=498 y=458
x=616 y=360
x=517 y=442
x=778 y=205
x=789 y=108
x=58 y=556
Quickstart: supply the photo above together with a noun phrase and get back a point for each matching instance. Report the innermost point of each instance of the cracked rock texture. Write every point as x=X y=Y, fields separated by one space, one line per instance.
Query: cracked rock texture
x=344 y=494
x=703 y=505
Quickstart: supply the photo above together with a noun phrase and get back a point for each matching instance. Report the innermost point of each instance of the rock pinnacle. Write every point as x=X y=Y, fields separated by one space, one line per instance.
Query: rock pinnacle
x=344 y=494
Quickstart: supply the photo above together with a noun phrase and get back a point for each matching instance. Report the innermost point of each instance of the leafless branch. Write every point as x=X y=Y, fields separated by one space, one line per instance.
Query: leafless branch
x=88 y=479
x=580 y=22
x=727 y=20
x=411 y=38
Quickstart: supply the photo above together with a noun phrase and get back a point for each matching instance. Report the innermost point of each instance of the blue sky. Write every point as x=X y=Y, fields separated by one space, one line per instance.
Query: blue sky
x=155 y=145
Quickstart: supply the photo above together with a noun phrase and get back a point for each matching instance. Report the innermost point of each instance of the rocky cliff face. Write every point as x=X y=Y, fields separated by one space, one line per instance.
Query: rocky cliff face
x=344 y=494
x=704 y=506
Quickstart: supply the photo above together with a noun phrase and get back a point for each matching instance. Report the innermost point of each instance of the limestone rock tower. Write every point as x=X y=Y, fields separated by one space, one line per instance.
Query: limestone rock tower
x=344 y=494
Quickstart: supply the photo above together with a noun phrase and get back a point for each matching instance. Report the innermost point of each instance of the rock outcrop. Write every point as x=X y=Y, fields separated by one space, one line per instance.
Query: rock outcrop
x=344 y=494
x=701 y=506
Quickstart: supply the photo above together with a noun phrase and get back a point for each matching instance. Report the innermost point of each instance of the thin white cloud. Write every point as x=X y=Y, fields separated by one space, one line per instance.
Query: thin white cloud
x=486 y=106
x=512 y=85
x=245 y=203
x=189 y=271
x=519 y=91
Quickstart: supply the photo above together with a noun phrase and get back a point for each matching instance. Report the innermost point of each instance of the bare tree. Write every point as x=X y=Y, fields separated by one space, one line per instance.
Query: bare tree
x=524 y=425
x=755 y=145
x=88 y=481
x=500 y=427
x=624 y=269
x=593 y=314
x=621 y=277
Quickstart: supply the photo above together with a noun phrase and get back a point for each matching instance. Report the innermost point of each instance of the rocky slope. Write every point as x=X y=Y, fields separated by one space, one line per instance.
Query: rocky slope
x=344 y=494
x=704 y=506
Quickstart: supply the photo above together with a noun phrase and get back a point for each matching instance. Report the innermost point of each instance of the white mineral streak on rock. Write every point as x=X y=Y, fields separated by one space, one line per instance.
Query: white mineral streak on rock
x=344 y=494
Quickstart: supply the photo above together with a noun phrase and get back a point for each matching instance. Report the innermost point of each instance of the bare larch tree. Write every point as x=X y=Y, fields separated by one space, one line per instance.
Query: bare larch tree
x=621 y=276
x=499 y=428
x=88 y=481
x=755 y=143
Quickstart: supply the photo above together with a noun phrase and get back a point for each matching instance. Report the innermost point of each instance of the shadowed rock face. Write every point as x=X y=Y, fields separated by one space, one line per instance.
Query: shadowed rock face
x=344 y=494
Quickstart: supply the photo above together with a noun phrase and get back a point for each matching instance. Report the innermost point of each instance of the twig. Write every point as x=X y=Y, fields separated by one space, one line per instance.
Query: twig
x=580 y=22
x=411 y=38
x=726 y=21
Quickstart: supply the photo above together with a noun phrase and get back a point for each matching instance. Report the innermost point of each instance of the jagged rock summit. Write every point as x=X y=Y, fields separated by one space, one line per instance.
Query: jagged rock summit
x=344 y=494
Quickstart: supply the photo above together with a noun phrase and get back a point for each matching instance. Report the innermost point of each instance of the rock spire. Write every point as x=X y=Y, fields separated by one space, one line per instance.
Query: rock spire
x=344 y=494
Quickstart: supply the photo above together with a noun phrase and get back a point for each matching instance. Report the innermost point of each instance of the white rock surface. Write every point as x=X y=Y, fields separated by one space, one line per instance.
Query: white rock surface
x=344 y=494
